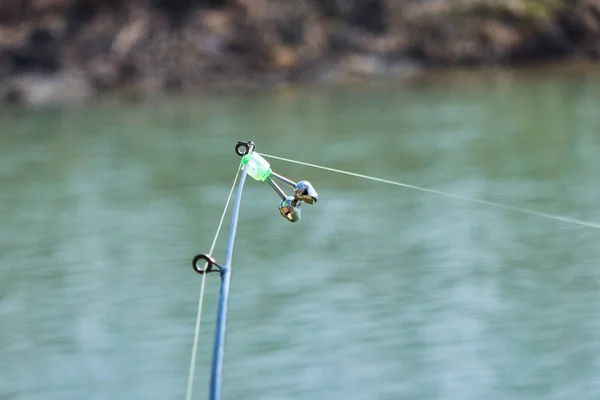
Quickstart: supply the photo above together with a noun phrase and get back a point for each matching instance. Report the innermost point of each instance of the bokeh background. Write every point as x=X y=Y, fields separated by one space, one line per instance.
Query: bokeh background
x=117 y=128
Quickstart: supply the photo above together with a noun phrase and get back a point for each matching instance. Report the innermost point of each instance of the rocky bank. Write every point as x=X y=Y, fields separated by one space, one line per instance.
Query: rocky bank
x=64 y=50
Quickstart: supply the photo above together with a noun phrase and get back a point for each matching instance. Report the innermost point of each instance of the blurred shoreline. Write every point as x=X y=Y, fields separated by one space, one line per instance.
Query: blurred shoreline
x=66 y=51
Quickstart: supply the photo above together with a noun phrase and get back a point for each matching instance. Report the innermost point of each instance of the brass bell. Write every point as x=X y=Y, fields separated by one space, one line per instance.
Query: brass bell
x=290 y=209
x=305 y=192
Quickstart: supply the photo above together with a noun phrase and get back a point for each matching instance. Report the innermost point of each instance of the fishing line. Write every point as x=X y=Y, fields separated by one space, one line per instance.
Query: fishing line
x=201 y=298
x=445 y=194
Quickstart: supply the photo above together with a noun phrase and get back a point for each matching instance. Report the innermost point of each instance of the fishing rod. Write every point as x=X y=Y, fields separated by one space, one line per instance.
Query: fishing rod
x=289 y=207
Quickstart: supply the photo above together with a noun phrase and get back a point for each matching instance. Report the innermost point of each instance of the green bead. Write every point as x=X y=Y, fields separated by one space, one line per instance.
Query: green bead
x=258 y=167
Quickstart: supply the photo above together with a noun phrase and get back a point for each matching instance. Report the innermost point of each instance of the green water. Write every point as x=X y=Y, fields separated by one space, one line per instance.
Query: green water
x=378 y=293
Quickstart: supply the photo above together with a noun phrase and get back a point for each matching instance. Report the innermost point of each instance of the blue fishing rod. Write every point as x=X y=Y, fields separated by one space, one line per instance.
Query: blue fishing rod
x=290 y=208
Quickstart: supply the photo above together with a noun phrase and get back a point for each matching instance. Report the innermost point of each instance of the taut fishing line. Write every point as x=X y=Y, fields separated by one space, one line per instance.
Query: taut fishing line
x=302 y=192
x=445 y=194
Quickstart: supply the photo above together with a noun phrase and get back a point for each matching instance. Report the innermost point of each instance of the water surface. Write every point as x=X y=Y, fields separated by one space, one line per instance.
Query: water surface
x=378 y=293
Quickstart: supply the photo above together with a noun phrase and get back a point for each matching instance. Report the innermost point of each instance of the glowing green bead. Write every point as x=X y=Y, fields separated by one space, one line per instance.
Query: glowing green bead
x=258 y=167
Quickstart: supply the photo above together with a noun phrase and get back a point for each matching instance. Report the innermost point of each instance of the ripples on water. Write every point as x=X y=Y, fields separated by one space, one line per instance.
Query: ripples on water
x=378 y=293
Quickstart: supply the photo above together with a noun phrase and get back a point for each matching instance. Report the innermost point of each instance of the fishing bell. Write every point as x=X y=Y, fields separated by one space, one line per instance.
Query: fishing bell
x=305 y=192
x=290 y=209
x=260 y=169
